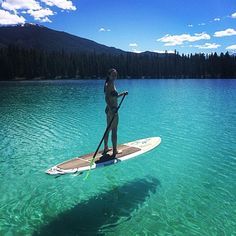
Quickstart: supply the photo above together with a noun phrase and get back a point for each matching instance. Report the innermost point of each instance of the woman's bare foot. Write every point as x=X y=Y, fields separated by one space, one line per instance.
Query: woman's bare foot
x=106 y=150
x=116 y=152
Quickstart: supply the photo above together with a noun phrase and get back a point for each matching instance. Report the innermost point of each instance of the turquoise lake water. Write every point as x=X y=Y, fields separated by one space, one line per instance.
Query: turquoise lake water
x=186 y=186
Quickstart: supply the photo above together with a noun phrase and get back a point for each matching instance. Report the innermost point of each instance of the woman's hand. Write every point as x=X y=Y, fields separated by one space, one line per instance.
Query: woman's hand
x=123 y=93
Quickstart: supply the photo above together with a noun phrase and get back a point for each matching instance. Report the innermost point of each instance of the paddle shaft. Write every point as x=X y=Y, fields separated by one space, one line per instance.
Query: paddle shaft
x=107 y=129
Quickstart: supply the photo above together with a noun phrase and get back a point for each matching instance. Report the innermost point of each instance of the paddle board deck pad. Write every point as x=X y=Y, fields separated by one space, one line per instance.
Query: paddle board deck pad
x=128 y=151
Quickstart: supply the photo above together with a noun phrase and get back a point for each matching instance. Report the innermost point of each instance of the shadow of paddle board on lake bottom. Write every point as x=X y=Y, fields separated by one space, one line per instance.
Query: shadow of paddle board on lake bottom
x=103 y=212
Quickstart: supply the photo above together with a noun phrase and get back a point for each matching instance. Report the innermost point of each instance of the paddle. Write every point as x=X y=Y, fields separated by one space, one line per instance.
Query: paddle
x=107 y=129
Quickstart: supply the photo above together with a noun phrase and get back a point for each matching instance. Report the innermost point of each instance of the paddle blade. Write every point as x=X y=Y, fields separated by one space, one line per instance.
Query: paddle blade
x=88 y=172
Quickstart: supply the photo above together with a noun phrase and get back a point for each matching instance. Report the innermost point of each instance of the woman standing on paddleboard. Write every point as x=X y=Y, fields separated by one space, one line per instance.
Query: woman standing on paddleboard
x=111 y=97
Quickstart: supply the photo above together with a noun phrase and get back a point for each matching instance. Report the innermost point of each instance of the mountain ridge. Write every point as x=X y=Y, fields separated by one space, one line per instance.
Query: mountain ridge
x=37 y=36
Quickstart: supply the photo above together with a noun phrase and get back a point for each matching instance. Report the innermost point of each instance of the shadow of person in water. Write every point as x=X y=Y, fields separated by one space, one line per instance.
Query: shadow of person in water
x=102 y=212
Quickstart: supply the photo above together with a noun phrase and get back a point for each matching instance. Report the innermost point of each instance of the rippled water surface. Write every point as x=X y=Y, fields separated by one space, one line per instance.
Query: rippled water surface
x=186 y=186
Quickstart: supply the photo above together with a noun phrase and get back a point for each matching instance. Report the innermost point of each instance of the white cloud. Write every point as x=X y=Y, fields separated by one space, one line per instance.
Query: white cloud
x=164 y=51
x=42 y=13
x=63 y=4
x=45 y=19
x=190 y=25
x=135 y=50
x=34 y=9
x=6 y=18
x=223 y=33
x=207 y=46
x=104 y=30
x=232 y=47
x=133 y=45
x=14 y=5
x=217 y=19
x=172 y=40
x=202 y=24
x=233 y=15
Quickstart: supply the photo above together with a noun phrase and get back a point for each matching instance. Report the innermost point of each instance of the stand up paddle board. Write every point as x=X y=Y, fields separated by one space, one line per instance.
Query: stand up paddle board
x=82 y=163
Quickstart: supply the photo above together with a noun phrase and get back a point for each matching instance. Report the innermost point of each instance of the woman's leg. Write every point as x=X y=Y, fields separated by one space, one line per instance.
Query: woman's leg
x=106 y=137
x=114 y=140
x=114 y=135
x=106 y=141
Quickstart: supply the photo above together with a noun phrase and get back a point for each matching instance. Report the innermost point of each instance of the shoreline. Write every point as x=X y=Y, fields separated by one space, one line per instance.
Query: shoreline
x=119 y=78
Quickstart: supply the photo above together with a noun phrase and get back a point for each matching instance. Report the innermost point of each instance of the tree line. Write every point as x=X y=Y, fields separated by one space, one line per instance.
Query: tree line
x=21 y=63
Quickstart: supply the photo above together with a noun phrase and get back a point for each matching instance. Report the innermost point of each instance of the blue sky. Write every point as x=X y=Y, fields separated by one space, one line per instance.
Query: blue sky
x=135 y=25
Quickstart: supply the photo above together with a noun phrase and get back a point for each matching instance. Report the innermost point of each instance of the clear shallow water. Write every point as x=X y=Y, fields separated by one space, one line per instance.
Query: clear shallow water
x=187 y=186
